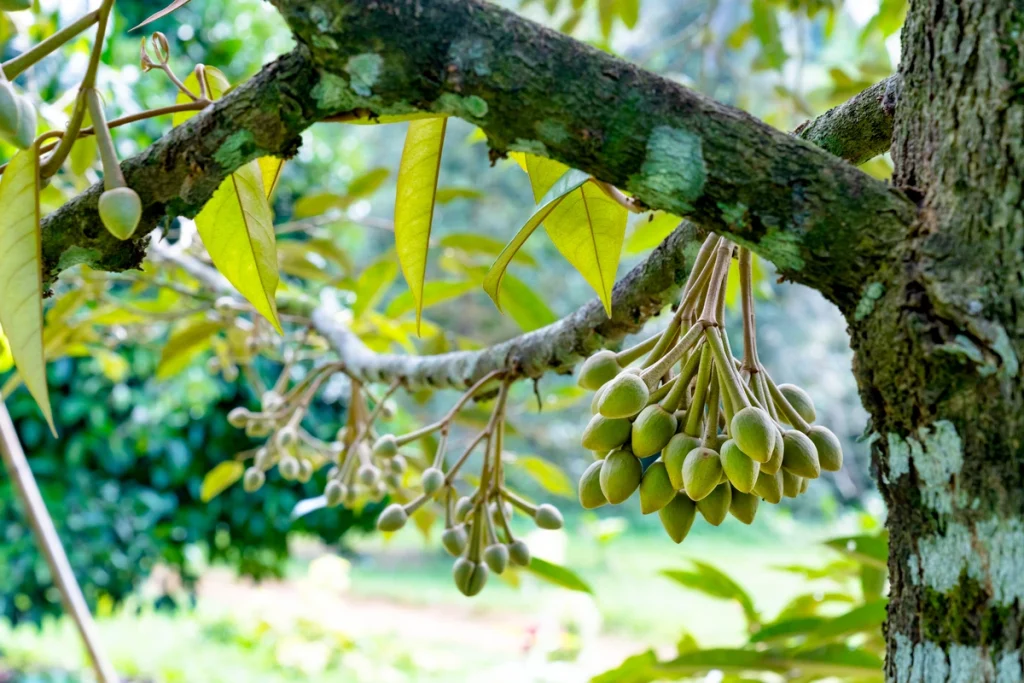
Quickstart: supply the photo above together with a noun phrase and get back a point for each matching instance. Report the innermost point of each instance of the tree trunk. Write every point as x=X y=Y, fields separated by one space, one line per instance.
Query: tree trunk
x=938 y=335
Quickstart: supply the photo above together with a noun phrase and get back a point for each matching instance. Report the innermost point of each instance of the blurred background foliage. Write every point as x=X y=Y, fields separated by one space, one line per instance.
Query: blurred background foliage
x=123 y=480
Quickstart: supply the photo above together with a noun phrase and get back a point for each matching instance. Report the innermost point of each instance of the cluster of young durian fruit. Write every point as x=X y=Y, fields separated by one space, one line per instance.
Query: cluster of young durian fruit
x=365 y=465
x=692 y=428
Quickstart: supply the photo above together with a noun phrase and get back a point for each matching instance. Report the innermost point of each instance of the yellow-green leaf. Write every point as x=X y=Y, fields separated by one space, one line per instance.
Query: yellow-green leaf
x=183 y=345
x=588 y=227
x=543 y=172
x=237 y=227
x=217 y=84
x=391 y=118
x=547 y=474
x=525 y=306
x=6 y=359
x=558 y=575
x=270 y=171
x=365 y=184
x=570 y=180
x=648 y=234
x=471 y=243
x=162 y=13
x=220 y=478
x=21 y=302
x=373 y=283
x=83 y=154
x=433 y=293
x=414 y=202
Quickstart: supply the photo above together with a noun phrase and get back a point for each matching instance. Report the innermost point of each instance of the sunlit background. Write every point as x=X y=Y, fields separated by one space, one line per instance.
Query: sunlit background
x=234 y=590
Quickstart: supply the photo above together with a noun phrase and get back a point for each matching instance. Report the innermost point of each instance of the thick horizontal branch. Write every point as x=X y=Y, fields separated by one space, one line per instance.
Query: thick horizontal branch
x=642 y=293
x=820 y=220
x=860 y=128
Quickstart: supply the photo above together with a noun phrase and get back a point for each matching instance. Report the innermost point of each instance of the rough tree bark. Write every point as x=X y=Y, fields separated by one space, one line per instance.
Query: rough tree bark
x=938 y=334
x=933 y=292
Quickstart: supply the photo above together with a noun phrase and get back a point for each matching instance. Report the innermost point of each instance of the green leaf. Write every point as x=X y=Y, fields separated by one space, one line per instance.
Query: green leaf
x=373 y=283
x=433 y=293
x=711 y=581
x=869 y=549
x=525 y=306
x=866 y=618
x=183 y=345
x=21 y=285
x=450 y=194
x=414 y=202
x=650 y=233
x=365 y=184
x=827 y=661
x=636 y=669
x=550 y=477
x=84 y=151
x=587 y=227
x=162 y=13
x=786 y=628
x=629 y=12
x=481 y=244
x=558 y=575
x=217 y=84
x=571 y=180
x=219 y=479
x=765 y=25
x=237 y=227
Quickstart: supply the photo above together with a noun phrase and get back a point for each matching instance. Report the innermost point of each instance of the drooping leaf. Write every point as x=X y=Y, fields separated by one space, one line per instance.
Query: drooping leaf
x=184 y=343
x=414 y=201
x=548 y=475
x=365 y=184
x=543 y=172
x=220 y=478
x=868 y=617
x=237 y=227
x=648 y=234
x=786 y=628
x=587 y=227
x=571 y=180
x=6 y=359
x=524 y=305
x=373 y=283
x=765 y=25
x=713 y=582
x=635 y=669
x=450 y=194
x=558 y=575
x=21 y=285
x=270 y=170
x=481 y=244
x=870 y=549
x=162 y=13
x=433 y=293
x=84 y=151
x=217 y=84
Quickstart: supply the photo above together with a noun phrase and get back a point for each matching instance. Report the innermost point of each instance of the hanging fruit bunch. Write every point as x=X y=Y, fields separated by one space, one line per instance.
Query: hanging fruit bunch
x=364 y=465
x=690 y=426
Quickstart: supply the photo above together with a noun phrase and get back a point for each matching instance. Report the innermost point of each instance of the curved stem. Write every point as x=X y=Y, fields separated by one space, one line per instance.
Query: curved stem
x=16 y=65
x=54 y=162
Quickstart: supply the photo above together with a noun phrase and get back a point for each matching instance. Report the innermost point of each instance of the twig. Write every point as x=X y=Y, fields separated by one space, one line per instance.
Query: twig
x=49 y=542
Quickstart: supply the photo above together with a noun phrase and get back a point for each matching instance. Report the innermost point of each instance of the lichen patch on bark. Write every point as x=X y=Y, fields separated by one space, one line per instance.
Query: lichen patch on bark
x=674 y=168
x=364 y=70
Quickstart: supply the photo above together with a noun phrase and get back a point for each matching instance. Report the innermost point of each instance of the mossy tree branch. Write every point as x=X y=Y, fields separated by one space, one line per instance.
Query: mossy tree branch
x=819 y=220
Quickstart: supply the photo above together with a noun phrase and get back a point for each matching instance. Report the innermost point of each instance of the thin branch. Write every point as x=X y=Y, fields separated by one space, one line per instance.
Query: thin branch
x=18 y=469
